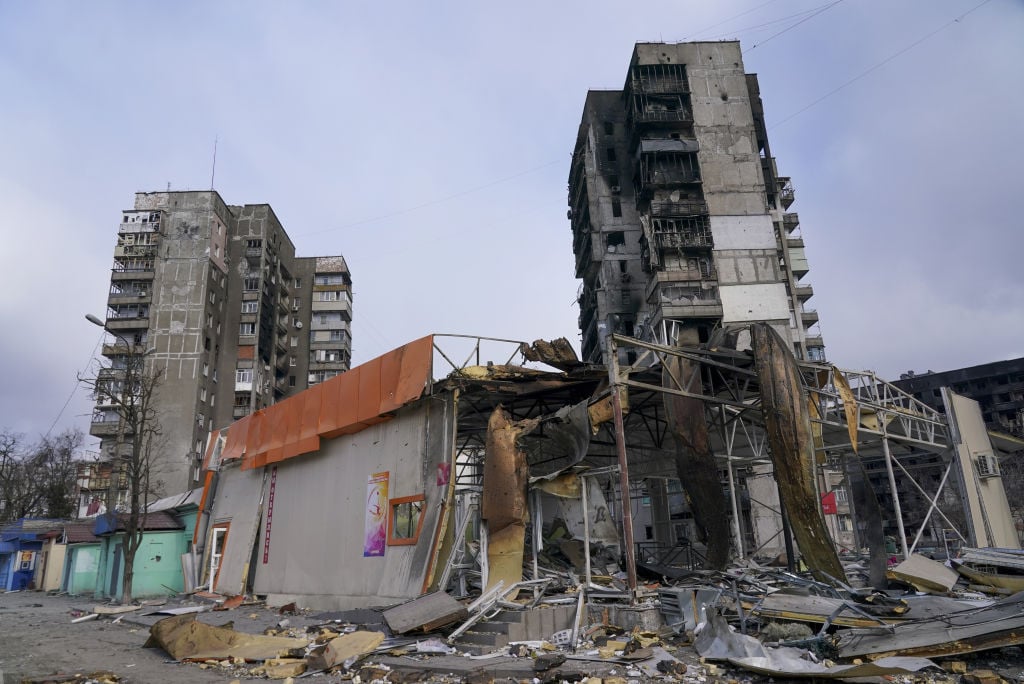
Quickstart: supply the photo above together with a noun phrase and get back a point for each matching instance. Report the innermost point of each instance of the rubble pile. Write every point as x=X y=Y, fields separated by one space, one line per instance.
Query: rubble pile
x=748 y=622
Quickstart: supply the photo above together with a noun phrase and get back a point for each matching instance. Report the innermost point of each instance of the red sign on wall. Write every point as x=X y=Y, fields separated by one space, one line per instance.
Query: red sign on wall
x=828 y=504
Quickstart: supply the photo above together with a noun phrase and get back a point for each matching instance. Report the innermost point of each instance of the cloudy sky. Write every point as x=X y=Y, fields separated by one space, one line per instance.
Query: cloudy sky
x=429 y=143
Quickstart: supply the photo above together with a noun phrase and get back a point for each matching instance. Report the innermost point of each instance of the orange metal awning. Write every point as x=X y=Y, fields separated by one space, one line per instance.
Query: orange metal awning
x=343 y=405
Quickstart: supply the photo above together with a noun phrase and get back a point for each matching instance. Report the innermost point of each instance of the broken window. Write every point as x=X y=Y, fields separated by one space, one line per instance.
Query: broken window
x=615 y=240
x=405 y=520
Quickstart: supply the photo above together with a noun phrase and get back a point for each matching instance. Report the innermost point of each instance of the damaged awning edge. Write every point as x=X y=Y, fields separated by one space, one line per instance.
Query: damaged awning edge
x=345 y=404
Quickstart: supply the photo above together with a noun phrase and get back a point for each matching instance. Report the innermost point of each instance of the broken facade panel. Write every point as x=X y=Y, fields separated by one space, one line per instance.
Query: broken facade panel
x=784 y=406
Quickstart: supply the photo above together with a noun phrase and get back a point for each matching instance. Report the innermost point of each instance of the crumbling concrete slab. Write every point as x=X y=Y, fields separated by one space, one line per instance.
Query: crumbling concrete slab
x=925 y=574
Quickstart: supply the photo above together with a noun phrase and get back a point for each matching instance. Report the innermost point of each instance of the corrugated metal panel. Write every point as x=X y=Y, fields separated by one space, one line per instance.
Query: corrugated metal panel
x=234 y=445
x=343 y=405
x=309 y=435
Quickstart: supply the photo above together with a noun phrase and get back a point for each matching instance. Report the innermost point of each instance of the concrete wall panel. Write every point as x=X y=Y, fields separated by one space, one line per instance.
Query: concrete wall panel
x=318 y=529
x=745 y=303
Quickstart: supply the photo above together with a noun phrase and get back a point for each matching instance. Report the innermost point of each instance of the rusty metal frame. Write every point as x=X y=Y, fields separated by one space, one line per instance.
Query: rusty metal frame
x=900 y=417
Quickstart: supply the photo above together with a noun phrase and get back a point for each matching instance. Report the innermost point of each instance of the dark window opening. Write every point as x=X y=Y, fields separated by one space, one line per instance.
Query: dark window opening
x=616 y=208
x=616 y=238
x=622 y=267
x=609 y=128
x=609 y=154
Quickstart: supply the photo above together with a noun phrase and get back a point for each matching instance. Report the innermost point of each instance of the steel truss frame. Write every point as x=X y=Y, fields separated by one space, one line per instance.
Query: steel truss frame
x=728 y=386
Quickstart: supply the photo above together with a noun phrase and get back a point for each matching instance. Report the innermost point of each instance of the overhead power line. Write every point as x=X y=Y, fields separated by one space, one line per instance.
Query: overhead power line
x=790 y=28
x=880 y=64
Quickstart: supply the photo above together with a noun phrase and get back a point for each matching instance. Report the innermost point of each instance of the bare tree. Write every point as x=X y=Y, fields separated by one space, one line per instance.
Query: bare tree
x=38 y=479
x=129 y=384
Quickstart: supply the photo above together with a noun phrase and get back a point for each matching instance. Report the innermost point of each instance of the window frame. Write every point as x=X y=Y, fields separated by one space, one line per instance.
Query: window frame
x=392 y=504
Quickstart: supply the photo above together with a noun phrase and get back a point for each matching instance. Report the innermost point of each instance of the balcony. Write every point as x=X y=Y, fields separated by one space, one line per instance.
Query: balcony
x=128 y=323
x=795 y=243
x=121 y=349
x=808 y=317
x=686 y=301
x=585 y=261
x=104 y=428
x=643 y=115
x=653 y=84
x=254 y=253
x=342 y=306
x=139 y=297
x=132 y=269
x=797 y=262
x=682 y=239
x=126 y=227
x=692 y=277
x=680 y=208
x=650 y=178
x=790 y=221
x=786 y=193
x=804 y=292
x=142 y=251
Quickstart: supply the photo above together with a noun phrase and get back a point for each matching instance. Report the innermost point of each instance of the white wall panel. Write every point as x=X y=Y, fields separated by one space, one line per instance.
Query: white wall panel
x=743 y=232
x=746 y=303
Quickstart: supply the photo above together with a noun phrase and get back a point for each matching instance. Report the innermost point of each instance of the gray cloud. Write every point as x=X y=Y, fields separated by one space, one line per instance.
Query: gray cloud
x=344 y=117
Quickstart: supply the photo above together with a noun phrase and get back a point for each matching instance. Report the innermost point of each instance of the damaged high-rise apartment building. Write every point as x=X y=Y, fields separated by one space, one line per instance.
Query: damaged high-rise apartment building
x=679 y=218
x=680 y=228
x=214 y=296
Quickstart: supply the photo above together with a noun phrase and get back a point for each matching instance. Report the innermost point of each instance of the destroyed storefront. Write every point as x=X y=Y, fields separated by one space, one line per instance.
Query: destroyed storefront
x=430 y=469
x=374 y=487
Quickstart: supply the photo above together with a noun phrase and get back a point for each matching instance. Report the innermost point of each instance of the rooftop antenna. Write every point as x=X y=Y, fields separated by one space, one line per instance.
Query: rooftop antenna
x=213 y=171
x=168 y=186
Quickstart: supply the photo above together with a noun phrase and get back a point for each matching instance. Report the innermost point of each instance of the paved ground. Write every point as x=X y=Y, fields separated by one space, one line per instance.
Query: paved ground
x=38 y=639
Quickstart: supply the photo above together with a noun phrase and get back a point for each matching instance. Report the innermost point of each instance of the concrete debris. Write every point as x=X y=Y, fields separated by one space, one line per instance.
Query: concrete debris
x=924 y=574
x=556 y=353
x=348 y=646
